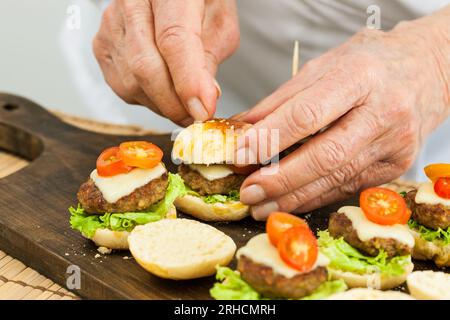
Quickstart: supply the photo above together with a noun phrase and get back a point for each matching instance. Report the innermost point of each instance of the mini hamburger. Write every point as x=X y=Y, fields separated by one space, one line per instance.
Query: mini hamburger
x=205 y=152
x=370 y=246
x=130 y=186
x=284 y=263
x=430 y=222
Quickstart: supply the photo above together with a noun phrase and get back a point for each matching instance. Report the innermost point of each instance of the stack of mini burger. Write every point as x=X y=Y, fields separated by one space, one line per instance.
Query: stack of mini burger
x=285 y=263
x=370 y=245
x=205 y=152
x=129 y=187
x=430 y=223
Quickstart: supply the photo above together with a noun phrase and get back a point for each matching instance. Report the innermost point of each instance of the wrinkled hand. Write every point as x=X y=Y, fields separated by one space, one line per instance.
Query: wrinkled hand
x=164 y=54
x=382 y=93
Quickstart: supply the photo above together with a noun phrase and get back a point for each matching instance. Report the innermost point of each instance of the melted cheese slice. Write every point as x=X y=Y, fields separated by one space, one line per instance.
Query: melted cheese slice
x=426 y=195
x=115 y=187
x=367 y=230
x=260 y=250
x=212 y=172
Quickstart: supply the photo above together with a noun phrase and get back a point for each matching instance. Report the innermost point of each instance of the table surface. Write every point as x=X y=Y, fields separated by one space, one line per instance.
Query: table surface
x=17 y=281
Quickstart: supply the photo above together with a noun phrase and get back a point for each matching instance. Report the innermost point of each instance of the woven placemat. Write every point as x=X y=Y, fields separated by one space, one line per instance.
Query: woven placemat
x=17 y=281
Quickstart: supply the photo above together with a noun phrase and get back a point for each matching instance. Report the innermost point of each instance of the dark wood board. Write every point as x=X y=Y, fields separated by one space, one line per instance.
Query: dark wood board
x=33 y=208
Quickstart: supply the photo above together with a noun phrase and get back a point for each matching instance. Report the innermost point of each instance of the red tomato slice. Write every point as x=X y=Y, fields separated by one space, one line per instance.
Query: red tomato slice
x=298 y=248
x=442 y=187
x=140 y=154
x=247 y=170
x=110 y=164
x=383 y=206
x=279 y=222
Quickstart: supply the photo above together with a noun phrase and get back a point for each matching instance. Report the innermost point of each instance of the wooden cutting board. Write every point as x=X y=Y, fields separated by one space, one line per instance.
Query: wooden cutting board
x=33 y=208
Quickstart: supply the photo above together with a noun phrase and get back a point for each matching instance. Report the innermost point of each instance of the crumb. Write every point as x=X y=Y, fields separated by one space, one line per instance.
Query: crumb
x=66 y=254
x=97 y=256
x=249 y=231
x=104 y=250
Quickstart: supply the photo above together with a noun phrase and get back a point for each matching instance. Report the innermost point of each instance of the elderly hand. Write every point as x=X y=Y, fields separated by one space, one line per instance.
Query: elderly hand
x=382 y=93
x=164 y=54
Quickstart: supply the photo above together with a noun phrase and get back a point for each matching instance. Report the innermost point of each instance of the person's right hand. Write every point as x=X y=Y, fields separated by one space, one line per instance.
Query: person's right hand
x=164 y=54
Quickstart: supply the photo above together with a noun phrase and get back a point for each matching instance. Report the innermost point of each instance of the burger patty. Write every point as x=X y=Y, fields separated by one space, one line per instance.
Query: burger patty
x=272 y=285
x=92 y=200
x=433 y=216
x=204 y=186
x=341 y=226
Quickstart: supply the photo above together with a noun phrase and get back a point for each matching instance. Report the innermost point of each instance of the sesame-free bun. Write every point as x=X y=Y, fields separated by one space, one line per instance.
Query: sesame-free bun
x=210 y=142
x=429 y=285
x=370 y=294
x=436 y=250
x=180 y=249
x=118 y=240
x=196 y=207
x=375 y=280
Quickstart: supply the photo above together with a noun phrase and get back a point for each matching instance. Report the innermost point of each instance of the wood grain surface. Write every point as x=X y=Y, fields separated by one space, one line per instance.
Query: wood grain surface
x=33 y=208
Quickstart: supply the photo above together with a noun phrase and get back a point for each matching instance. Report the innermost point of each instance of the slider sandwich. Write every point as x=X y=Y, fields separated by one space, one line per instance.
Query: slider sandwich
x=130 y=186
x=370 y=246
x=205 y=152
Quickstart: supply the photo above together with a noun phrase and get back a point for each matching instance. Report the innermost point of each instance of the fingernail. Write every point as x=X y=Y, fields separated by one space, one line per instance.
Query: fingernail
x=253 y=194
x=197 y=110
x=245 y=156
x=219 y=90
x=261 y=212
x=187 y=122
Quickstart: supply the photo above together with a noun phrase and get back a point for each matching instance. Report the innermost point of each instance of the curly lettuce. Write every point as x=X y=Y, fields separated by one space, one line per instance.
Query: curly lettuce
x=441 y=235
x=346 y=258
x=87 y=224
x=233 y=195
x=232 y=287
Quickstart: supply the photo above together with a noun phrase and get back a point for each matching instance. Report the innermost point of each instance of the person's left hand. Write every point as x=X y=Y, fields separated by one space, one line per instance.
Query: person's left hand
x=382 y=92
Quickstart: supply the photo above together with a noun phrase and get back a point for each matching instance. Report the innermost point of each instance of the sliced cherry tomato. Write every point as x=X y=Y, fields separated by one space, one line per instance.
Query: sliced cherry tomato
x=437 y=170
x=110 y=164
x=383 y=206
x=298 y=248
x=442 y=187
x=279 y=222
x=247 y=170
x=406 y=217
x=140 y=154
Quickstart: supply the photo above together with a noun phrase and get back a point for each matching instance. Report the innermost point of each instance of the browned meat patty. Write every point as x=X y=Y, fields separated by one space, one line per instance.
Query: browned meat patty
x=91 y=199
x=341 y=226
x=431 y=216
x=204 y=187
x=271 y=285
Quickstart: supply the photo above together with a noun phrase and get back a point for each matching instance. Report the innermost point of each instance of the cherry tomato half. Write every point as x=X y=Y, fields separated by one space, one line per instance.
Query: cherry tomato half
x=140 y=154
x=437 y=170
x=298 y=248
x=383 y=206
x=279 y=222
x=110 y=164
x=442 y=187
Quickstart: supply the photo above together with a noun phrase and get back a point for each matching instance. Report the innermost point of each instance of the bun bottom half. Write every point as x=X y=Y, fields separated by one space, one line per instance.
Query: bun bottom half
x=196 y=207
x=431 y=250
x=375 y=280
x=429 y=285
x=370 y=294
x=118 y=240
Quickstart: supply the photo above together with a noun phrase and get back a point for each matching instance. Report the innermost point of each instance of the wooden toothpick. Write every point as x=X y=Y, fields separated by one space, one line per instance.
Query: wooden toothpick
x=295 y=58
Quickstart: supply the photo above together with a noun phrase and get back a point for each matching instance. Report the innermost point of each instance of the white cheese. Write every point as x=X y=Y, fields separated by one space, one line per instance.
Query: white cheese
x=367 y=229
x=212 y=172
x=260 y=250
x=118 y=186
x=427 y=195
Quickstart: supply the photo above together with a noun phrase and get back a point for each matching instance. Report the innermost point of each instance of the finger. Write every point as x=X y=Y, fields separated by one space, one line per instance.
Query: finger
x=375 y=175
x=304 y=114
x=145 y=62
x=319 y=157
x=178 y=27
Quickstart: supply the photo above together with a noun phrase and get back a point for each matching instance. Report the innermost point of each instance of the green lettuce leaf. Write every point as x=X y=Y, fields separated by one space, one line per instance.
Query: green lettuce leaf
x=428 y=234
x=87 y=224
x=221 y=198
x=346 y=258
x=232 y=287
